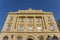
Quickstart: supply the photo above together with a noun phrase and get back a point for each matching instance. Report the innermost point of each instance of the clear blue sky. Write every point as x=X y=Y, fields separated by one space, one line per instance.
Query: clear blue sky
x=14 y=5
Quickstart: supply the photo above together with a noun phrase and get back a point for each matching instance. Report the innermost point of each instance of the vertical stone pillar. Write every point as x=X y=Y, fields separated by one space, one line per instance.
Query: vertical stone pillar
x=26 y=24
x=15 y=27
x=34 y=23
x=43 y=23
x=17 y=22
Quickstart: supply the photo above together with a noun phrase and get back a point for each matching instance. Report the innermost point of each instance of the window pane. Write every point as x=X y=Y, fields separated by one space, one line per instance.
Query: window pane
x=38 y=19
x=9 y=27
x=30 y=19
x=5 y=38
x=11 y=18
x=51 y=27
x=49 y=19
x=39 y=29
x=21 y=28
x=55 y=38
x=21 y=19
x=30 y=28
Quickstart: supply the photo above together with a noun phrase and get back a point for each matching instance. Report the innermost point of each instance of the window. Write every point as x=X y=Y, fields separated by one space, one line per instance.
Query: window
x=11 y=18
x=9 y=27
x=21 y=28
x=30 y=28
x=38 y=19
x=55 y=38
x=41 y=37
x=21 y=19
x=5 y=38
x=30 y=19
x=51 y=27
x=19 y=38
x=49 y=38
x=30 y=38
x=49 y=19
x=39 y=29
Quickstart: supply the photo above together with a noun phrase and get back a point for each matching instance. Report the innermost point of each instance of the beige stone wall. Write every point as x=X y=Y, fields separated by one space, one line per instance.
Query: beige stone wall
x=44 y=22
x=15 y=23
x=25 y=36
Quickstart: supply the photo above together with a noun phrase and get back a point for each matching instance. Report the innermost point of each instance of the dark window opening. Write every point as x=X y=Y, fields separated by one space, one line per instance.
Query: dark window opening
x=30 y=39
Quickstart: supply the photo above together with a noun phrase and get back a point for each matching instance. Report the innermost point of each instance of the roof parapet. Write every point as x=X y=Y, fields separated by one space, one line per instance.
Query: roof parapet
x=30 y=10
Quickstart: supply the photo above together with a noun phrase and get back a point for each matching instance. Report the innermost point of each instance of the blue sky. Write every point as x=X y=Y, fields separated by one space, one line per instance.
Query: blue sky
x=14 y=5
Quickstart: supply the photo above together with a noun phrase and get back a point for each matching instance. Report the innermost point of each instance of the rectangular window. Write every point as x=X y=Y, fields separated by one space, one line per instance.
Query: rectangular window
x=11 y=18
x=9 y=27
x=39 y=29
x=30 y=19
x=21 y=28
x=52 y=27
x=38 y=19
x=49 y=19
x=21 y=19
x=19 y=38
x=30 y=28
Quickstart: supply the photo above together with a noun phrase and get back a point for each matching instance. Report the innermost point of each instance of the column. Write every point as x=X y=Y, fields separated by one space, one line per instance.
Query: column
x=43 y=23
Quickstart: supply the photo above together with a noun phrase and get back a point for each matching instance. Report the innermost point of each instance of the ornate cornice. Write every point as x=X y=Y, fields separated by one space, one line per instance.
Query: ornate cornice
x=30 y=10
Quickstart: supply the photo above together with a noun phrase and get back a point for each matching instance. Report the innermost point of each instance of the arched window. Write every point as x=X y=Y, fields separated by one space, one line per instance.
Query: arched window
x=41 y=37
x=5 y=38
x=30 y=38
x=19 y=38
x=55 y=38
x=49 y=38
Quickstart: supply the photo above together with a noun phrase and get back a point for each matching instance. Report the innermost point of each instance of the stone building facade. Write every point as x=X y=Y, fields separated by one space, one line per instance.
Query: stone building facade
x=30 y=24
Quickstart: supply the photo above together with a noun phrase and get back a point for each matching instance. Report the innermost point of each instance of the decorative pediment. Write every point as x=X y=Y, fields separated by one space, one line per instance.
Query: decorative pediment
x=30 y=10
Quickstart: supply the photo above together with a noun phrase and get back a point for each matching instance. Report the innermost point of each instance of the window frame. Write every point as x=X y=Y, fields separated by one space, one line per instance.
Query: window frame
x=11 y=18
x=21 y=28
x=49 y=18
x=30 y=28
x=39 y=28
x=38 y=19
x=30 y=19
x=21 y=19
x=8 y=27
x=52 y=27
